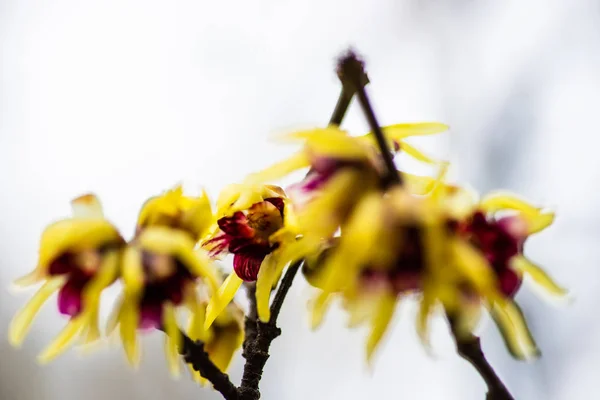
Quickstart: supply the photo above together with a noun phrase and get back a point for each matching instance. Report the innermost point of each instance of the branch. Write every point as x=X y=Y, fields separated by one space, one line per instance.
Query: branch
x=352 y=74
x=257 y=352
x=250 y=328
x=469 y=348
x=194 y=354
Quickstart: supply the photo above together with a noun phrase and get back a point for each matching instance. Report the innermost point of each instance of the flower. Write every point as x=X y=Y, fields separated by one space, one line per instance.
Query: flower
x=498 y=225
x=222 y=339
x=343 y=168
x=79 y=257
x=250 y=226
x=448 y=247
x=396 y=244
x=161 y=271
x=173 y=209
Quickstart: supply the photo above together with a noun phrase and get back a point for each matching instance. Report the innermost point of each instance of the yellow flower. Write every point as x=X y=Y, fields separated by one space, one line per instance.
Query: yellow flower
x=79 y=257
x=161 y=271
x=342 y=169
x=173 y=209
x=251 y=227
x=222 y=339
x=498 y=225
x=449 y=247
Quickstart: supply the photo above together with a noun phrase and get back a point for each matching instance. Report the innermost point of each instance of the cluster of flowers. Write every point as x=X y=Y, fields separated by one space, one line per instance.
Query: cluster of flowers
x=362 y=243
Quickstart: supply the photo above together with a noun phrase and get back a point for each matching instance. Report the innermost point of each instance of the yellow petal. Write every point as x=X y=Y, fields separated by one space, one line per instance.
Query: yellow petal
x=536 y=219
x=93 y=329
x=539 y=222
x=268 y=273
x=297 y=161
x=105 y=276
x=401 y=131
x=87 y=206
x=62 y=342
x=197 y=316
x=516 y=334
x=416 y=153
x=73 y=235
x=132 y=270
x=419 y=185
x=31 y=278
x=222 y=298
x=473 y=266
x=538 y=275
x=128 y=325
x=21 y=323
x=320 y=306
x=380 y=321
x=224 y=345
x=359 y=243
x=198 y=216
x=114 y=316
x=173 y=339
x=425 y=308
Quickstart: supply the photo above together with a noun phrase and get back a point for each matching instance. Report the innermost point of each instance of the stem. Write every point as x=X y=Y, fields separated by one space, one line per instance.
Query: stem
x=352 y=74
x=194 y=354
x=250 y=328
x=469 y=348
x=257 y=351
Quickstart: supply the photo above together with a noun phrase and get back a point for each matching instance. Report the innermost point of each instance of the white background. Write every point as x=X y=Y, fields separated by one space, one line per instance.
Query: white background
x=126 y=98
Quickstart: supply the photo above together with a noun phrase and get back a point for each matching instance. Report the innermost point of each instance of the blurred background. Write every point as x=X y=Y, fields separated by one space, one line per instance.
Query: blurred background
x=126 y=98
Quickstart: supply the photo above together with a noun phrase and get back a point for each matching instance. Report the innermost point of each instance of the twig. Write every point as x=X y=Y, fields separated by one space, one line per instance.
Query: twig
x=194 y=354
x=352 y=74
x=257 y=351
x=250 y=328
x=469 y=348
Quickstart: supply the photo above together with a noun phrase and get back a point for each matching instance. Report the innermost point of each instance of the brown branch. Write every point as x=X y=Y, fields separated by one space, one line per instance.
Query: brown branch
x=352 y=74
x=250 y=328
x=469 y=348
x=194 y=354
x=257 y=351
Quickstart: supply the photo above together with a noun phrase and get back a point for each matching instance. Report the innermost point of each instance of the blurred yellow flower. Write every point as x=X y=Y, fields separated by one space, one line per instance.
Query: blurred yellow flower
x=78 y=257
x=161 y=272
x=447 y=247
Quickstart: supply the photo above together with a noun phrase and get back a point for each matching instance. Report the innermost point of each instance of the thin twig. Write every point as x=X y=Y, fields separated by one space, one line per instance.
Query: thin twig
x=257 y=351
x=469 y=348
x=194 y=354
x=250 y=328
x=352 y=74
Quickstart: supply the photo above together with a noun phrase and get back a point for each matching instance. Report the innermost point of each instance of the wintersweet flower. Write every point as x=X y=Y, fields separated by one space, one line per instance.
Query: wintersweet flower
x=250 y=226
x=498 y=225
x=78 y=257
x=162 y=270
x=343 y=166
x=397 y=244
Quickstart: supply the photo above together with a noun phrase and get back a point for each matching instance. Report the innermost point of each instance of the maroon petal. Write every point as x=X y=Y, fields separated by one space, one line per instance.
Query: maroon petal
x=218 y=244
x=60 y=266
x=246 y=265
x=510 y=282
x=69 y=296
x=277 y=202
x=150 y=315
x=236 y=225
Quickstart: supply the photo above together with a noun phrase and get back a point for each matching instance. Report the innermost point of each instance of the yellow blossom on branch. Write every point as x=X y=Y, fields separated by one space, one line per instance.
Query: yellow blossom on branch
x=78 y=257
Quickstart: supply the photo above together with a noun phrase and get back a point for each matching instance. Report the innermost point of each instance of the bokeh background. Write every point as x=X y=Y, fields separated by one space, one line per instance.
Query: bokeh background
x=126 y=98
